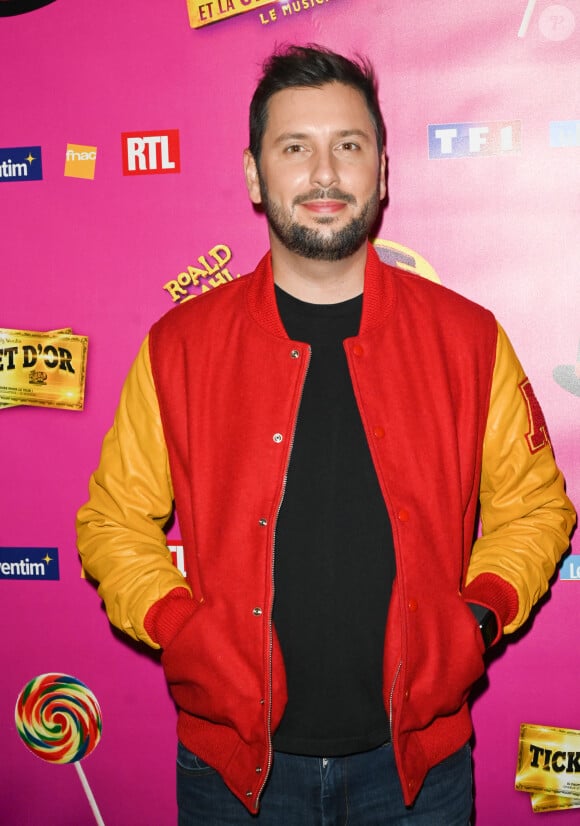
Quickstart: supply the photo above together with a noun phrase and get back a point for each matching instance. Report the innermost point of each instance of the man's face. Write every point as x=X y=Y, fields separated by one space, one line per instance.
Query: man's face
x=320 y=178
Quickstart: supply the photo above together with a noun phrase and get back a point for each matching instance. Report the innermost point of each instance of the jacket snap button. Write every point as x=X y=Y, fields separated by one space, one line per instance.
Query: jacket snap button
x=257 y=612
x=262 y=523
x=295 y=354
x=407 y=693
x=403 y=515
x=413 y=605
x=248 y=794
x=379 y=432
x=277 y=438
x=258 y=769
x=358 y=350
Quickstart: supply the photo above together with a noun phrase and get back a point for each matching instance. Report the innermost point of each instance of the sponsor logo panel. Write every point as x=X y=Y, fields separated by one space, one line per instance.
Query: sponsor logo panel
x=564 y=133
x=20 y=163
x=29 y=563
x=80 y=161
x=150 y=153
x=474 y=140
x=570 y=569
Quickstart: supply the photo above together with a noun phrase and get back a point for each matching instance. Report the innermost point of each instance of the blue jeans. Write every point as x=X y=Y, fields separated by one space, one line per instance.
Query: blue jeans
x=359 y=790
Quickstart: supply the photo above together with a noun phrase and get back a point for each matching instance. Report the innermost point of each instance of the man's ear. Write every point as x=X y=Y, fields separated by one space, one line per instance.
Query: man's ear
x=383 y=176
x=252 y=179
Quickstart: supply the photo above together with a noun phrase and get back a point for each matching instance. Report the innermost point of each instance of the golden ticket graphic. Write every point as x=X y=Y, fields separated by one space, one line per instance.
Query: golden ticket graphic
x=5 y=334
x=204 y=12
x=42 y=369
x=549 y=762
x=553 y=802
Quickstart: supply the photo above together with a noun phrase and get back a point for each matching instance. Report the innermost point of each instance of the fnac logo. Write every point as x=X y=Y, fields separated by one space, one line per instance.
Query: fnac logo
x=21 y=163
x=80 y=161
x=147 y=153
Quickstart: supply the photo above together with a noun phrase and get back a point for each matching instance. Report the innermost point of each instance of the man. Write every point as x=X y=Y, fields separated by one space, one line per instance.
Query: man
x=326 y=441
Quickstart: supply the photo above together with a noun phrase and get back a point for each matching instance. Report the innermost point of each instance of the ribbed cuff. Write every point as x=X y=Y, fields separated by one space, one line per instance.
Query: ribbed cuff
x=168 y=616
x=495 y=593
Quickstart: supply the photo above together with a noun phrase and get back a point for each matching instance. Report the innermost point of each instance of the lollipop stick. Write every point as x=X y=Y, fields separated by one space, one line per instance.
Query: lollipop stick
x=527 y=17
x=89 y=794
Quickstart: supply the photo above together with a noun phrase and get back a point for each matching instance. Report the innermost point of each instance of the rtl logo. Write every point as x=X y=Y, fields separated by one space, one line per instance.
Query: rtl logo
x=150 y=153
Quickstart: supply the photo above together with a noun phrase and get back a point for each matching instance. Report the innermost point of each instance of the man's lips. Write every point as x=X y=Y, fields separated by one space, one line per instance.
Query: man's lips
x=324 y=207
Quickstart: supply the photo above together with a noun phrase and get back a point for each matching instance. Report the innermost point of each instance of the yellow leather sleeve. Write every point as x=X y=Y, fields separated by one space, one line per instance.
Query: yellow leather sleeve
x=526 y=516
x=120 y=529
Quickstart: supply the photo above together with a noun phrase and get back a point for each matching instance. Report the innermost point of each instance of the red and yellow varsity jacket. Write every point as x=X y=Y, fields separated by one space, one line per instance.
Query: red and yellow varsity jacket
x=206 y=420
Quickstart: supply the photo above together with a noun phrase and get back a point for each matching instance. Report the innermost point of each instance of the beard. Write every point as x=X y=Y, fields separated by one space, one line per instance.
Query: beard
x=311 y=243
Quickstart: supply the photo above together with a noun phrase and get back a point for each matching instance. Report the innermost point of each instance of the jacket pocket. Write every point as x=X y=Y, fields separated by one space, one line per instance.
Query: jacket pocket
x=214 y=668
x=445 y=660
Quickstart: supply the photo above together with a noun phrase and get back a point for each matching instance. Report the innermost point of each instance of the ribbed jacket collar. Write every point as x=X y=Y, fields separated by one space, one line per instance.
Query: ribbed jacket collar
x=378 y=296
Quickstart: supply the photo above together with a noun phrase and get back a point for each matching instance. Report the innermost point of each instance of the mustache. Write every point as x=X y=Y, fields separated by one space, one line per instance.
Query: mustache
x=332 y=194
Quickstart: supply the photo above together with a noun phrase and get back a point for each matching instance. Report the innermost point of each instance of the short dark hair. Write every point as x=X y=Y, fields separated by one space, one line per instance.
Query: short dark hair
x=311 y=66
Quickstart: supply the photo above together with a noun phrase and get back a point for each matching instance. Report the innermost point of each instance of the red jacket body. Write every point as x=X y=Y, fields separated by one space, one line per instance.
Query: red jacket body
x=434 y=402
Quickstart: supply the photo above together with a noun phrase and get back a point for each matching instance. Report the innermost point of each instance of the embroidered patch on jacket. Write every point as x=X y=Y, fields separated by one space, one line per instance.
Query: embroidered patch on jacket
x=537 y=437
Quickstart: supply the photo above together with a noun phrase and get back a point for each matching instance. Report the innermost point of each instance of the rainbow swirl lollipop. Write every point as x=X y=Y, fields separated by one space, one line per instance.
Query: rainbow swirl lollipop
x=58 y=718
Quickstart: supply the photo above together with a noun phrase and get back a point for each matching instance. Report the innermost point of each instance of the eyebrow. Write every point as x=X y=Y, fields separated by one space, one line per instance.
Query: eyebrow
x=342 y=133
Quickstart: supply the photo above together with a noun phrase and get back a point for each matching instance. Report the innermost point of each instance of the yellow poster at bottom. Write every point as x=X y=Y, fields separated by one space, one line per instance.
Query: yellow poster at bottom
x=549 y=766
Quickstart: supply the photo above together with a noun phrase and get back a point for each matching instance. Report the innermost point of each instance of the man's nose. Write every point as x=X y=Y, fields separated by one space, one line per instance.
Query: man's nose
x=324 y=169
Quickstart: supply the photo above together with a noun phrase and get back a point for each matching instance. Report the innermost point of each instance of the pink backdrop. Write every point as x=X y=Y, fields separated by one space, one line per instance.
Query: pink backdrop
x=95 y=254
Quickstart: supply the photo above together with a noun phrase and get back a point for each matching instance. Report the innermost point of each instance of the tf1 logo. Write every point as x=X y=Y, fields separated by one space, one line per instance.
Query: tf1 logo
x=469 y=140
x=150 y=153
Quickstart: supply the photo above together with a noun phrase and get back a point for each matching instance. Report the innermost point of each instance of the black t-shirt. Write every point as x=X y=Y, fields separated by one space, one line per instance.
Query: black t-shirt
x=334 y=560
